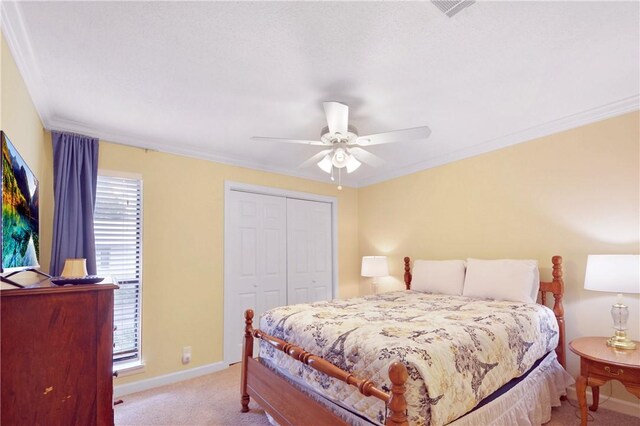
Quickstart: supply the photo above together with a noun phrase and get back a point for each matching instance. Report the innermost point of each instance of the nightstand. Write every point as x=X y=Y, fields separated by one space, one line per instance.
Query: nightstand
x=600 y=363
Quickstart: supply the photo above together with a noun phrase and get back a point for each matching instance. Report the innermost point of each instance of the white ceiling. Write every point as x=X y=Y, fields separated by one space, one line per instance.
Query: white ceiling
x=201 y=78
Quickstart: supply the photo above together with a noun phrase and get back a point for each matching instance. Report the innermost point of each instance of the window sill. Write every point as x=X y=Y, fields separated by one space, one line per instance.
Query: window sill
x=129 y=368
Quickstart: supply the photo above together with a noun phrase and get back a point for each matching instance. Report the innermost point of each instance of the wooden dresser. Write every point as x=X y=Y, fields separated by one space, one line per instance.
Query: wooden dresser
x=57 y=345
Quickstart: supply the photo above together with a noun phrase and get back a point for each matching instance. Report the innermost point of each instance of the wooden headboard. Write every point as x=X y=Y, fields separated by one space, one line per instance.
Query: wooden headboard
x=555 y=286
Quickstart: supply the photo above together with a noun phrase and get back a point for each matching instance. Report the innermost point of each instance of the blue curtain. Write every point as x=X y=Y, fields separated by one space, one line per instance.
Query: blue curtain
x=75 y=176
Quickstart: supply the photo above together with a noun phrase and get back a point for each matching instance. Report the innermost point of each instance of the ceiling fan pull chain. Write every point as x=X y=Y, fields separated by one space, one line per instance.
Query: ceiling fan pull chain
x=332 y=178
x=339 y=179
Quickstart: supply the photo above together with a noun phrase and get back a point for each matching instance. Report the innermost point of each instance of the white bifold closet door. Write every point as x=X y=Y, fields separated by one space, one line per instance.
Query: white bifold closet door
x=256 y=259
x=278 y=252
x=309 y=271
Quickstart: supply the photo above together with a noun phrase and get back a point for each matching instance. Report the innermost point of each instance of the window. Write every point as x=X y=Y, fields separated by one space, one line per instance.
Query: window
x=118 y=233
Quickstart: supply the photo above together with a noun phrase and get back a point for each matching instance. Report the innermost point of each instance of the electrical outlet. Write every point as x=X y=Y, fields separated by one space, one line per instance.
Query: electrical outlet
x=186 y=355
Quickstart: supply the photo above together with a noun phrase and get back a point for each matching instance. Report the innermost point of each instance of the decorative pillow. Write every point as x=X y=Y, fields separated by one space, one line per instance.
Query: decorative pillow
x=502 y=279
x=438 y=276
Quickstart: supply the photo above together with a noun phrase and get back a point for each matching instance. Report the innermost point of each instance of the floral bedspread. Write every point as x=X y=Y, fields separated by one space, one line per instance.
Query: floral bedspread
x=457 y=349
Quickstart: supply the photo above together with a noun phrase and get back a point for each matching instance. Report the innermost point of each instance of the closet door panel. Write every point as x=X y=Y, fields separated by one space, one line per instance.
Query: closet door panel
x=256 y=258
x=309 y=277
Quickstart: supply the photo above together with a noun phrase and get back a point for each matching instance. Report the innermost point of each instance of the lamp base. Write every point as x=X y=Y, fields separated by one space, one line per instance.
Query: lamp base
x=621 y=341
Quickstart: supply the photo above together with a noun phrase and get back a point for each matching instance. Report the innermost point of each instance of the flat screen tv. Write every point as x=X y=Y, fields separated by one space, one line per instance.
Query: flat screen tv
x=20 y=213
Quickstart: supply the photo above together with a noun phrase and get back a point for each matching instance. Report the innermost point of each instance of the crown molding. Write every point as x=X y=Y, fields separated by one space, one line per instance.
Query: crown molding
x=14 y=31
x=185 y=150
x=573 y=121
x=603 y=112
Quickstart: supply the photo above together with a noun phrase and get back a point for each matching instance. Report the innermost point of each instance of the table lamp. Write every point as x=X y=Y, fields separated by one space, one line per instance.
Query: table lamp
x=374 y=266
x=615 y=273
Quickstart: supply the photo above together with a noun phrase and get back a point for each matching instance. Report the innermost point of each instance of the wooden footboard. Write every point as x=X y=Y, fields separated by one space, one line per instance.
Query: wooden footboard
x=285 y=403
x=276 y=395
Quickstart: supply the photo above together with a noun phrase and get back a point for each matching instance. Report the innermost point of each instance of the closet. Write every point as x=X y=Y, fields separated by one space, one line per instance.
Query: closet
x=278 y=251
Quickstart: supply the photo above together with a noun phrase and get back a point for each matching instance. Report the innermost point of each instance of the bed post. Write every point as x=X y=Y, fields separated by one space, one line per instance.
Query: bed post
x=407 y=272
x=247 y=352
x=398 y=403
x=558 y=307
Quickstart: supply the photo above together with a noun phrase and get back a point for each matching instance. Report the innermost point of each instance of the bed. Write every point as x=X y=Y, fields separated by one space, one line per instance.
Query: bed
x=424 y=384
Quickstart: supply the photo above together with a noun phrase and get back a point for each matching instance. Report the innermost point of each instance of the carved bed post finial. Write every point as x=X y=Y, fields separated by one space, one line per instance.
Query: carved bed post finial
x=558 y=307
x=398 y=403
x=247 y=352
x=407 y=272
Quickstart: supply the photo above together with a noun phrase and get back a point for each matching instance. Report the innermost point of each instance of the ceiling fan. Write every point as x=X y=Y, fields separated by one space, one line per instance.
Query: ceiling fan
x=344 y=148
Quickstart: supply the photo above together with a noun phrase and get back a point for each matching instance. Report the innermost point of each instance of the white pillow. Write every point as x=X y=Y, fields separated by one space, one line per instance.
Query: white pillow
x=438 y=276
x=502 y=279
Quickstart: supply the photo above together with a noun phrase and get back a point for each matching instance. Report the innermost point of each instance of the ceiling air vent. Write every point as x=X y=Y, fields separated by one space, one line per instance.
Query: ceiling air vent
x=451 y=7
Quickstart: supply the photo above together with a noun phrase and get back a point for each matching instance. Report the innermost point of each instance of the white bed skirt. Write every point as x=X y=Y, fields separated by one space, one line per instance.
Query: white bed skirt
x=527 y=404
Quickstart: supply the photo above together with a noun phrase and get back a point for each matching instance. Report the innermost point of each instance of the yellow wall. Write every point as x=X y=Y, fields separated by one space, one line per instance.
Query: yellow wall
x=22 y=124
x=573 y=193
x=183 y=249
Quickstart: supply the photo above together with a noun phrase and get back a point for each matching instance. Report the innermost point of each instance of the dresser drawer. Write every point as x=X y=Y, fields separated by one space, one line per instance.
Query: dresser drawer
x=611 y=371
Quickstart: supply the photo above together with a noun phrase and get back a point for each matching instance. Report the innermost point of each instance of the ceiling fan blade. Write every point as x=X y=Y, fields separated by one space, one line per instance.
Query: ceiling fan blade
x=337 y=117
x=300 y=141
x=394 y=136
x=315 y=158
x=366 y=157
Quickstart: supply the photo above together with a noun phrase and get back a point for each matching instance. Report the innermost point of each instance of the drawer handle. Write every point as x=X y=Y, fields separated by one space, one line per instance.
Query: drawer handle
x=608 y=370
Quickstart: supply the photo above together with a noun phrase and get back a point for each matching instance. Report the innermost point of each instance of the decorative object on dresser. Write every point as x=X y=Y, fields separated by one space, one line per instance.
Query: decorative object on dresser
x=289 y=401
x=599 y=364
x=75 y=268
x=374 y=267
x=615 y=273
x=57 y=346
x=75 y=272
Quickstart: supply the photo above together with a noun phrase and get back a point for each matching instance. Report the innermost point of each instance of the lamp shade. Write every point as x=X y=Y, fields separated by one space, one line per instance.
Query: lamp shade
x=374 y=266
x=325 y=164
x=615 y=273
x=75 y=268
x=352 y=164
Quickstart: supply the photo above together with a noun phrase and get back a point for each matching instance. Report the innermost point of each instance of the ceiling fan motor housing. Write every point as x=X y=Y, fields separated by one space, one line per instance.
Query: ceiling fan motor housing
x=332 y=138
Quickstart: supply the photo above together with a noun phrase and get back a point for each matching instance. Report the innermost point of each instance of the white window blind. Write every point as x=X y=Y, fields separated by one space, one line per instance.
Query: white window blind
x=118 y=234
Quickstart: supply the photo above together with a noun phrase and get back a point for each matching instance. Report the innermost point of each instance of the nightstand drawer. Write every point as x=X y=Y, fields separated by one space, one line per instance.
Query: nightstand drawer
x=611 y=371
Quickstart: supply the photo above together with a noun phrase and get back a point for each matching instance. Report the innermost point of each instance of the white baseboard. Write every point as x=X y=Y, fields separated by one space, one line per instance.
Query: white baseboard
x=166 y=379
x=613 y=404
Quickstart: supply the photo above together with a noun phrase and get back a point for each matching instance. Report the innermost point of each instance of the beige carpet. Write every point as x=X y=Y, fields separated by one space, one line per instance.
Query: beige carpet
x=214 y=399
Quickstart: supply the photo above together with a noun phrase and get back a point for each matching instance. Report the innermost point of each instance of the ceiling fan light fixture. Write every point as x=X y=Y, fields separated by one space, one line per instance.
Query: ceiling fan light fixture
x=352 y=164
x=340 y=158
x=326 y=164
